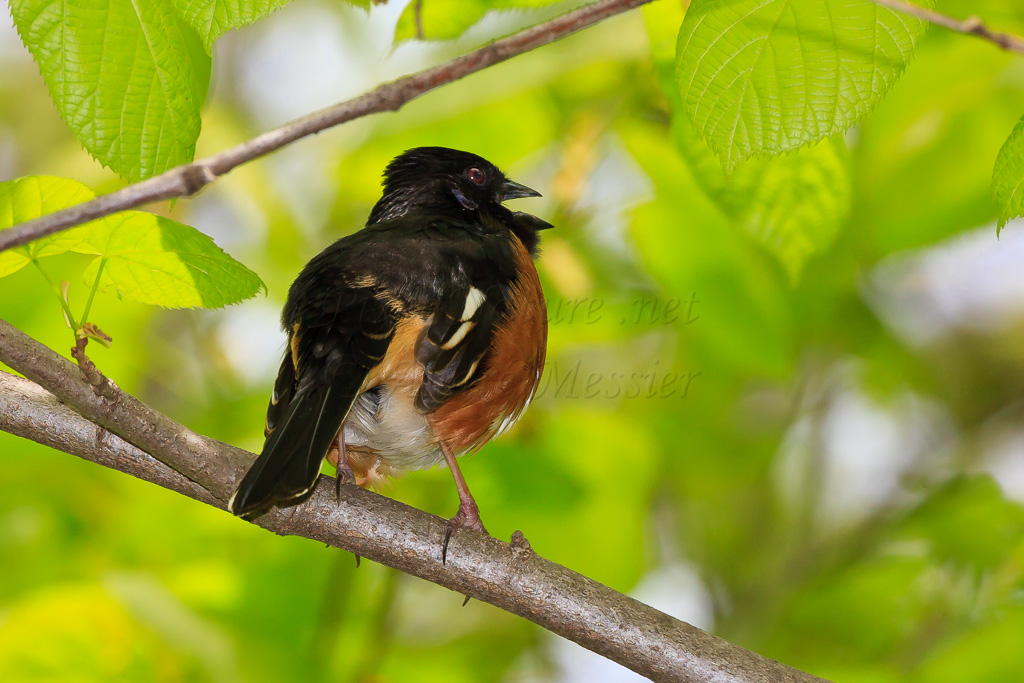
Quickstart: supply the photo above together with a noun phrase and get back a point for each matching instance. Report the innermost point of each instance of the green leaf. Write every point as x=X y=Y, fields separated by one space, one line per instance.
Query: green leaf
x=1008 y=176
x=969 y=522
x=154 y=260
x=761 y=77
x=26 y=198
x=213 y=18
x=921 y=178
x=794 y=205
x=122 y=77
x=149 y=259
x=449 y=19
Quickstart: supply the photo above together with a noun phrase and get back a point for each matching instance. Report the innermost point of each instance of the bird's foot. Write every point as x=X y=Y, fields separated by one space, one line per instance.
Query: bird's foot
x=342 y=476
x=338 y=456
x=344 y=473
x=468 y=517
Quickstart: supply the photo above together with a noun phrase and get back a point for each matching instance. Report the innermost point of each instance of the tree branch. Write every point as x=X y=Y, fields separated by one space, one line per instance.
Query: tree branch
x=27 y=410
x=972 y=26
x=70 y=417
x=188 y=179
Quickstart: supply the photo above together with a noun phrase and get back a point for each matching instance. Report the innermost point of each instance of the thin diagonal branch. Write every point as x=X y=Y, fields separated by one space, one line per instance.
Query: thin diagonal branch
x=188 y=179
x=511 y=577
x=972 y=26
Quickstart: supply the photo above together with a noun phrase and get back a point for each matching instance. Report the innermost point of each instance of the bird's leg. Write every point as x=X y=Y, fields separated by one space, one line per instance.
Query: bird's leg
x=337 y=455
x=468 y=515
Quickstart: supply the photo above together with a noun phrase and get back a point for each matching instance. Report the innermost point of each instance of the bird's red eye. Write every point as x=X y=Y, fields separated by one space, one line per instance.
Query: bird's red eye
x=476 y=175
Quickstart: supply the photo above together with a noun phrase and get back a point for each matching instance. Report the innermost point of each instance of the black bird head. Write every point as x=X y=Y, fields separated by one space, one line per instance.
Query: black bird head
x=438 y=180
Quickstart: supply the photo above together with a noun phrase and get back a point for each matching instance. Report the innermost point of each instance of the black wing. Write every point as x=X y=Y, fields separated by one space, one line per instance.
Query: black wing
x=469 y=300
x=337 y=334
x=453 y=350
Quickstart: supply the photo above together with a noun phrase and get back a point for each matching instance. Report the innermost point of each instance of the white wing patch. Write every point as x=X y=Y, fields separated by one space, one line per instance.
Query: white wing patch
x=459 y=335
x=469 y=374
x=473 y=301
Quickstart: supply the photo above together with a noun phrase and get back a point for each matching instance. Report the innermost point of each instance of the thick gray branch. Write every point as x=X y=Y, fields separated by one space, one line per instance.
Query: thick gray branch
x=186 y=180
x=70 y=417
x=29 y=411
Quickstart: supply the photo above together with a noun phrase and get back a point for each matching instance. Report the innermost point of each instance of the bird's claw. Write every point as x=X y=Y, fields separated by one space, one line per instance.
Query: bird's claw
x=342 y=476
x=468 y=517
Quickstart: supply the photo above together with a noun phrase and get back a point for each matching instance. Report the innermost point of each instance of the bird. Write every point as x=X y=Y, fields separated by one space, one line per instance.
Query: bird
x=412 y=341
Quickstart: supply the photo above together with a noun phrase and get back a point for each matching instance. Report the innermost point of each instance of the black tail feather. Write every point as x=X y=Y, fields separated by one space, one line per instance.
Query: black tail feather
x=289 y=464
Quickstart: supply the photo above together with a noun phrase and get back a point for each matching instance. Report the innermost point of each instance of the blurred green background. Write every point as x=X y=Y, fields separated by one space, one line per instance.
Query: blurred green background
x=828 y=470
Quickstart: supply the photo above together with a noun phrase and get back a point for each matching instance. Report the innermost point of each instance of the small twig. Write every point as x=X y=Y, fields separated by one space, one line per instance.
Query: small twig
x=971 y=26
x=185 y=181
x=101 y=386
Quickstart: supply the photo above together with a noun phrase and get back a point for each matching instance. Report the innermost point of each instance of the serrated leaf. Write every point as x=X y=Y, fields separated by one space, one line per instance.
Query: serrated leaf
x=1008 y=176
x=449 y=19
x=213 y=18
x=122 y=77
x=26 y=198
x=154 y=260
x=794 y=205
x=761 y=77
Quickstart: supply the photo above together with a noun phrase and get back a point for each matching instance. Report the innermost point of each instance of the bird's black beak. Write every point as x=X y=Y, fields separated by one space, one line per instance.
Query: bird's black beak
x=513 y=190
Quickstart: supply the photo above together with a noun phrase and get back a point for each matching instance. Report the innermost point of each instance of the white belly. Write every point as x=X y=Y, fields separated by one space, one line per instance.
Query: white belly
x=388 y=424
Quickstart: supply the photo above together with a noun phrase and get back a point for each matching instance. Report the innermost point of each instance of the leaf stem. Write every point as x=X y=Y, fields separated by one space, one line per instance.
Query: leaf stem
x=60 y=298
x=92 y=293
